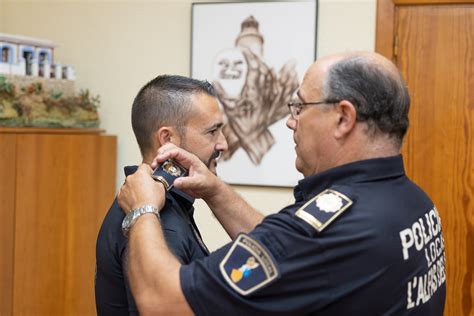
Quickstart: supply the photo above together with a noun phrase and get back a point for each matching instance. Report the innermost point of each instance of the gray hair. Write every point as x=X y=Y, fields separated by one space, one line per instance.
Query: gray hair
x=380 y=95
x=164 y=101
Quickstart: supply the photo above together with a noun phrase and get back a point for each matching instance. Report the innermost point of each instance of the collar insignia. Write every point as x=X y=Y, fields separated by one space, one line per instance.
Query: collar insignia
x=323 y=209
x=248 y=266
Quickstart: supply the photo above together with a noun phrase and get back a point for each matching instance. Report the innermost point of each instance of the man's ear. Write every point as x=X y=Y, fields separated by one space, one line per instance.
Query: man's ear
x=167 y=134
x=347 y=118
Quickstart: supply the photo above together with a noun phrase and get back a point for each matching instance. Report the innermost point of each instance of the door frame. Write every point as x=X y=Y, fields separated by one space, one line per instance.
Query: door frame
x=386 y=45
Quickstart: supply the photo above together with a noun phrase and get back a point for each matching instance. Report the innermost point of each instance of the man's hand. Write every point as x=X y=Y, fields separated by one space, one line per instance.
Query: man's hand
x=200 y=182
x=140 y=189
x=234 y=214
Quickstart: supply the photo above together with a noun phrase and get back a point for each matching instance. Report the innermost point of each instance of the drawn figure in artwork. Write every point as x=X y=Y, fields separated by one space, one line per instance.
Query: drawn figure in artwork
x=253 y=95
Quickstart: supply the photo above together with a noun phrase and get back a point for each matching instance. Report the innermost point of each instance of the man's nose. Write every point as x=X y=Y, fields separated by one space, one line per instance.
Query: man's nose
x=222 y=143
x=291 y=123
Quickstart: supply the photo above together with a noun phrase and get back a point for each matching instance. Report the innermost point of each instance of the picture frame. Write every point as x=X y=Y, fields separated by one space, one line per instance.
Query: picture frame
x=255 y=54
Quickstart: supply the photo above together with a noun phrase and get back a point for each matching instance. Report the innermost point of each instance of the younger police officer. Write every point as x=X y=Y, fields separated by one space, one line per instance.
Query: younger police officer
x=360 y=238
x=168 y=109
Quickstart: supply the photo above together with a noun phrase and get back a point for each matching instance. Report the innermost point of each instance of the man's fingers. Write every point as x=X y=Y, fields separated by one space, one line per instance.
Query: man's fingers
x=170 y=151
x=163 y=154
x=140 y=189
x=125 y=208
x=185 y=183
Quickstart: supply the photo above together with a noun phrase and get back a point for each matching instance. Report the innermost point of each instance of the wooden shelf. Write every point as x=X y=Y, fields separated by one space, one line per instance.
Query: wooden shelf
x=36 y=130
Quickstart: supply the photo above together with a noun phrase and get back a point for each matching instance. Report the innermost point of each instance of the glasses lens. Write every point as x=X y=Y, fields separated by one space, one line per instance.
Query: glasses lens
x=293 y=110
x=296 y=110
x=290 y=108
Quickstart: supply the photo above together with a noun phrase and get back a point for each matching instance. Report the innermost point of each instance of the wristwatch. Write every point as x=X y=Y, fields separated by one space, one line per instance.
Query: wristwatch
x=134 y=214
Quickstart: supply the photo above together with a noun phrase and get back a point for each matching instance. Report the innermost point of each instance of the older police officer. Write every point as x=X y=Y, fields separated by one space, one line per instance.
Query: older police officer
x=360 y=238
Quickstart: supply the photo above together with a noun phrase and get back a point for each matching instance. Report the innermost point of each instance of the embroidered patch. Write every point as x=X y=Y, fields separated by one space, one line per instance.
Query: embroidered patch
x=323 y=209
x=248 y=266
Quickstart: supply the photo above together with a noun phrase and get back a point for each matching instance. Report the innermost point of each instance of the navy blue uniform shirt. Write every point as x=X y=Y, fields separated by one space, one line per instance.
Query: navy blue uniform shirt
x=360 y=239
x=113 y=295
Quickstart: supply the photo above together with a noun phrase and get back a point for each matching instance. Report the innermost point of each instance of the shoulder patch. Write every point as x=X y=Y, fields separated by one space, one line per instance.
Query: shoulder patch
x=323 y=209
x=248 y=266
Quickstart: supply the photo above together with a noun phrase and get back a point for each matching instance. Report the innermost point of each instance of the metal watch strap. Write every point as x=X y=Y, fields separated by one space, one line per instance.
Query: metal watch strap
x=132 y=216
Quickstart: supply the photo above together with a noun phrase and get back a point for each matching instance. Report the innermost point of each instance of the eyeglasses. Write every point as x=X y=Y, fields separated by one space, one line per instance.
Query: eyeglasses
x=297 y=107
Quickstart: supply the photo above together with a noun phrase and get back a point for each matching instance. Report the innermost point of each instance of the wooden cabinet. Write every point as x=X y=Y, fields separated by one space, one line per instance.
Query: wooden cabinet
x=55 y=187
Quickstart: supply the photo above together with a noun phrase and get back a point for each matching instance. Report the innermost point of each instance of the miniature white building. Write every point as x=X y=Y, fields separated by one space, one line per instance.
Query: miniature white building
x=27 y=56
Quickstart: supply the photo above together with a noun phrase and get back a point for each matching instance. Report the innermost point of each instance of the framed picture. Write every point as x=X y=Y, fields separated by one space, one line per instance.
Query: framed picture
x=255 y=54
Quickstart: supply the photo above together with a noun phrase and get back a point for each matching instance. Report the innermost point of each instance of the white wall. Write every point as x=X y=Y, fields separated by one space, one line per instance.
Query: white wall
x=1 y=15
x=118 y=46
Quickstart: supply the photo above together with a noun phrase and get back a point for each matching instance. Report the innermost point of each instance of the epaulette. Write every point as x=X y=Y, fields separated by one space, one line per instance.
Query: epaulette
x=324 y=208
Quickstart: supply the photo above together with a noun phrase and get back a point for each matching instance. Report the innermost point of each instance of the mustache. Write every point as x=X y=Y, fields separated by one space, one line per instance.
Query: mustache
x=215 y=155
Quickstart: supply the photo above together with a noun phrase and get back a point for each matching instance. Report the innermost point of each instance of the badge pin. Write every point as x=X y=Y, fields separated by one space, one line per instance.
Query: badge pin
x=171 y=168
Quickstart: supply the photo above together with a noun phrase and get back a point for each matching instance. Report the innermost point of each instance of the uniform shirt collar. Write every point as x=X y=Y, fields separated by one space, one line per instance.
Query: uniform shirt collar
x=364 y=170
x=185 y=200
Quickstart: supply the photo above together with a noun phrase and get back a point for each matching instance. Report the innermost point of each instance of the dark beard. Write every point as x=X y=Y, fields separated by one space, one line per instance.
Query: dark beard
x=208 y=163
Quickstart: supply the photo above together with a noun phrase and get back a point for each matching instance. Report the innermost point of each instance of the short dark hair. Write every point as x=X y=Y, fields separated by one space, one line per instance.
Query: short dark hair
x=165 y=100
x=380 y=96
